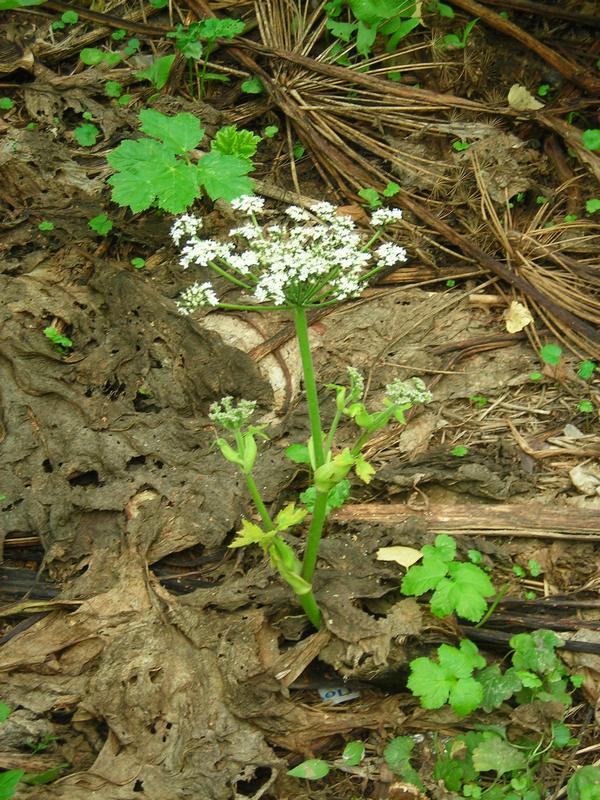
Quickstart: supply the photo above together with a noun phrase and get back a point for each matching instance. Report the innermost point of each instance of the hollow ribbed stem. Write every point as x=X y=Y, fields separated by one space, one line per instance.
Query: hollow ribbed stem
x=320 y=510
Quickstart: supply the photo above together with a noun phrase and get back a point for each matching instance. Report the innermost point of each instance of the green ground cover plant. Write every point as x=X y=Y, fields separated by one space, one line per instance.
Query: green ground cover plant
x=160 y=170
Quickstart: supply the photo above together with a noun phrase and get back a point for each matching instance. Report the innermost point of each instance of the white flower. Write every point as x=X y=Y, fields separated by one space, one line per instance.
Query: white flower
x=384 y=216
x=409 y=392
x=186 y=225
x=201 y=251
x=229 y=414
x=357 y=384
x=196 y=296
x=243 y=262
x=246 y=231
x=390 y=254
x=323 y=210
x=248 y=204
x=310 y=259
x=298 y=214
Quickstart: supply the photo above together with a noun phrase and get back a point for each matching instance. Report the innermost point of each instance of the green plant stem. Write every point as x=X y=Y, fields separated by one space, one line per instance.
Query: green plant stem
x=258 y=502
x=310 y=608
x=320 y=509
x=332 y=430
x=310 y=386
x=501 y=592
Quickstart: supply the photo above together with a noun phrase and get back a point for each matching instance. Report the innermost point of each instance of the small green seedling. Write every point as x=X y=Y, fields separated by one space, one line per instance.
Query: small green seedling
x=62 y=343
x=298 y=151
x=585 y=407
x=138 y=263
x=46 y=225
x=592 y=205
x=158 y=71
x=551 y=354
x=86 y=134
x=459 y=146
x=253 y=85
x=450 y=283
x=118 y=35
x=459 y=41
x=6 y=104
x=478 y=400
x=591 y=138
x=392 y=19
x=541 y=199
x=570 y=218
x=101 y=224
x=460 y=451
x=587 y=369
x=544 y=89
x=371 y=197
x=113 y=89
x=198 y=40
x=270 y=131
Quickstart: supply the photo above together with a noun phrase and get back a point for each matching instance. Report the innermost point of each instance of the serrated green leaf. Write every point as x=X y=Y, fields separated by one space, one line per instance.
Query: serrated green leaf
x=463 y=592
x=497 y=755
x=180 y=133
x=424 y=577
x=429 y=682
x=397 y=753
x=289 y=516
x=444 y=546
x=535 y=651
x=215 y=28
x=551 y=354
x=335 y=499
x=86 y=134
x=232 y=142
x=461 y=661
x=497 y=686
x=252 y=85
x=311 y=770
x=353 y=753
x=591 y=138
x=148 y=172
x=225 y=177
x=113 y=89
x=364 y=470
x=91 y=56
x=250 y=534
x=101 y=224
x=465 y=696
x=586 y=369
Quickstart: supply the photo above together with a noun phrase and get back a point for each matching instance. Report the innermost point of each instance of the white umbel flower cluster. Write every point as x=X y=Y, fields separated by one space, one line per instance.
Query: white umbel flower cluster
x=318 y=257
x=385 y=216
x=408 y=393
x=185 y=227
x=195 y=296
x=231 y=414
